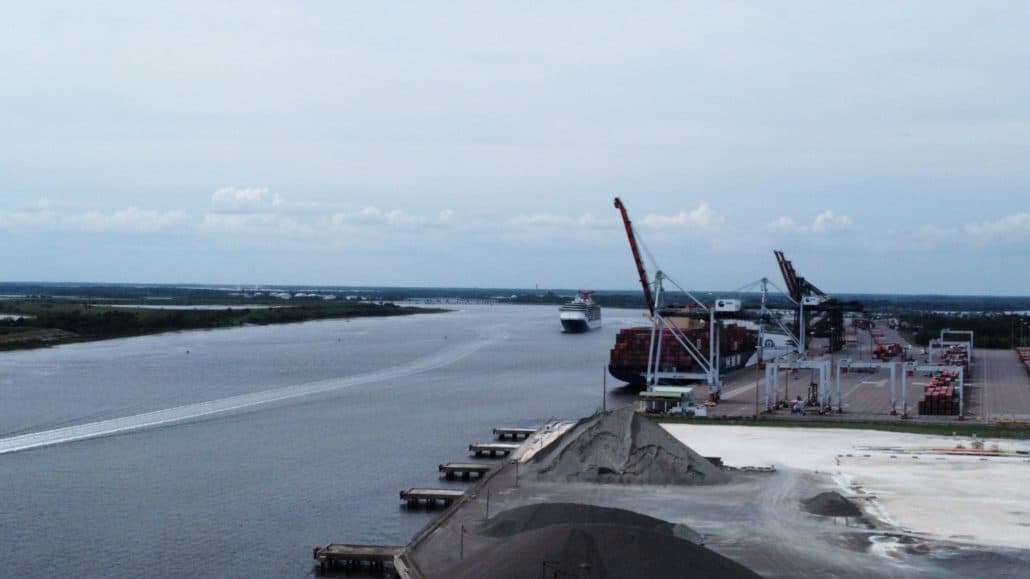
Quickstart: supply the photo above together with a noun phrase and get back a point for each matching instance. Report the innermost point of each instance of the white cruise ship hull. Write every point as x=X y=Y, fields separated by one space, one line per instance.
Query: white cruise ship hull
x=580 y=321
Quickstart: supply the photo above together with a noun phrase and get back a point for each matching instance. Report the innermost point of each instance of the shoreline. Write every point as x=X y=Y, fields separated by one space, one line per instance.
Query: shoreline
x=33 y=338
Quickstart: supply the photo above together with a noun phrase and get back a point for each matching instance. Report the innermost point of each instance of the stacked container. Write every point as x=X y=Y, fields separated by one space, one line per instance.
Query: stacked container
x=940 y=396
x=886 y=351
x=628 y=359
x=956 y=356
x=1024 y=356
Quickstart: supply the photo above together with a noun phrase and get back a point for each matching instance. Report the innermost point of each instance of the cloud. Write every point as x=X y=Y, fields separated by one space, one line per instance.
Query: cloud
x=393 y=219
x=236 y=221
x=824 y=222
x=244 y=199
x=131 y=219
x=51 y=215
x=12 y=220
x=702 y=216
x=553 y=221
x=1016 y=225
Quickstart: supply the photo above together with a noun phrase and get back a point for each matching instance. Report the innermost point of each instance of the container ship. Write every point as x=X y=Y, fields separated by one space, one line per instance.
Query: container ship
x=628 y=359
x=580 y=315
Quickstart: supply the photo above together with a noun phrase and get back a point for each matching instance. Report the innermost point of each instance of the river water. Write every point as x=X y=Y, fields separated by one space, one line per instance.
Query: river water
x=233 y=452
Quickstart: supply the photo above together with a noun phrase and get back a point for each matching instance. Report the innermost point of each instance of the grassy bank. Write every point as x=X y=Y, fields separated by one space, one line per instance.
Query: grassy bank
x=1021 y=431
x=49 y=321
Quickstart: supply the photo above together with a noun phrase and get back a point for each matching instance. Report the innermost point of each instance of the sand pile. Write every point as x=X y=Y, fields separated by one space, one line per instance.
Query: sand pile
x=602 y=542
x=622 y=447
x=831 y=504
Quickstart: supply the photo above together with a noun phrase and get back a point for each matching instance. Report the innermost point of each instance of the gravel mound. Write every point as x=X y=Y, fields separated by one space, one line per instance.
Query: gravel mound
x=538 y=516
x=831 y=504
x=622 y=447
x=597 y=551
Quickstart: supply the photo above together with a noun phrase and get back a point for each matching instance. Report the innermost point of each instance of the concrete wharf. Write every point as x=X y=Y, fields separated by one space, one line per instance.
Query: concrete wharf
x=513 y=432
x=464 y=469
x=430 y=497
x=344 y=555
x=493 y=448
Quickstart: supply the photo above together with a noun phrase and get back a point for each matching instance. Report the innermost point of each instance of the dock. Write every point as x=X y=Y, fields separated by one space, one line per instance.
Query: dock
x=464 y=469
x=430 y=497
x=513 y=432
x=375 y=557
x=493 y=448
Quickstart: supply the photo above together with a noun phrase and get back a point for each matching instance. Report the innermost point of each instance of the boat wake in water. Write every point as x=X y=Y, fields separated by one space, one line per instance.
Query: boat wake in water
x=167 y=416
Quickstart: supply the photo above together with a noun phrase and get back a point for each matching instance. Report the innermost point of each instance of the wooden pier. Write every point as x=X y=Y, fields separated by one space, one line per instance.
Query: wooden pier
x=430 y=497
x=493 y=448
x=513 y=432
x=376 y=557
x=464 y=469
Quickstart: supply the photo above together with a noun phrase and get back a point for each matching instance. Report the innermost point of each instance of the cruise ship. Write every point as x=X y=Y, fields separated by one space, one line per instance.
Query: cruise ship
x=581 y=314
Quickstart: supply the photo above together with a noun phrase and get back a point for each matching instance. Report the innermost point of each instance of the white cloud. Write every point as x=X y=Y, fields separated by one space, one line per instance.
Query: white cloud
x=1016 y=225
x=56 y=216
x=550 y=220
x=244 y=198
x=237 y=221
x=27 y=219
x=540 y=220
x=130 y=219
x=394 y=219
x=701 y=216
x=824 y=222
x=827 y=220
x=784 y=223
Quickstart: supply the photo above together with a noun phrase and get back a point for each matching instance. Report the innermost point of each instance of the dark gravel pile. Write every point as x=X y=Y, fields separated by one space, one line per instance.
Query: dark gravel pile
x=538 y=516
x=597 y=551
x=831 y=504
x=623 y=447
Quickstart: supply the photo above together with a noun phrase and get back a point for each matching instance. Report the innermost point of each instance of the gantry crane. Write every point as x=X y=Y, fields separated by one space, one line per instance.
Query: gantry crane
x=817 y=314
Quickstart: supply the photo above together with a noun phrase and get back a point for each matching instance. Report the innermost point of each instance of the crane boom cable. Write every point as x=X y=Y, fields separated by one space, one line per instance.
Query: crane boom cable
x=690 y=295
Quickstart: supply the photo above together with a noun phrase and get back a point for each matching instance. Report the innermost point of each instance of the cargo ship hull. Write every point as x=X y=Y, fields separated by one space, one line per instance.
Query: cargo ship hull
x=628 y=359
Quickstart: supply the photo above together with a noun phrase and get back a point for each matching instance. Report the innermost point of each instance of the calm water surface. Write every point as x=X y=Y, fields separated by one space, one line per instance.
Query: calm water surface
x=317 y=426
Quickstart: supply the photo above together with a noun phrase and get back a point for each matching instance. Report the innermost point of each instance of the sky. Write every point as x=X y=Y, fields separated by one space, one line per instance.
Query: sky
x=884 y=146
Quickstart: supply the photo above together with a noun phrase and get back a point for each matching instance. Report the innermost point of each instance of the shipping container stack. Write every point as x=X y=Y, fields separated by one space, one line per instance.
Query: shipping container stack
x=886 y=351
x=1024 y=356
x=632 y=345
x=956 y=356
x=940 y=396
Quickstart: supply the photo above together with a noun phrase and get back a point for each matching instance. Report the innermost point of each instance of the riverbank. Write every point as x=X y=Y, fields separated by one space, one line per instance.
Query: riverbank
x=48 y=322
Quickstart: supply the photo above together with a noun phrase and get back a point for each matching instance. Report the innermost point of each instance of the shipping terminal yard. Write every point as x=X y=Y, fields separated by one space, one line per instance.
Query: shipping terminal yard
x=843 y=450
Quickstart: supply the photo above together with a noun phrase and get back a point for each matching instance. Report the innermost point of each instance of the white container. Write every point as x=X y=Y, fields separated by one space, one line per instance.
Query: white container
x=723 y=305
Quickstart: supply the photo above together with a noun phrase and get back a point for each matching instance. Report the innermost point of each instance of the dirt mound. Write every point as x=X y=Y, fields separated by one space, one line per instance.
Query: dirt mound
x=831 y=504
x=538 y=516
x=623 y=447
x=597 y=551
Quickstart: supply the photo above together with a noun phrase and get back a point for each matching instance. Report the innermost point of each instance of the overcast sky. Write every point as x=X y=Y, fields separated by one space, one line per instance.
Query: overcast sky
x=884 y=146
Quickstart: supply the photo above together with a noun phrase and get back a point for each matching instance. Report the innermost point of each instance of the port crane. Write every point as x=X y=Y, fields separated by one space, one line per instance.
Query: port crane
x=817 y=313
x=636 y=255
x=661 y=327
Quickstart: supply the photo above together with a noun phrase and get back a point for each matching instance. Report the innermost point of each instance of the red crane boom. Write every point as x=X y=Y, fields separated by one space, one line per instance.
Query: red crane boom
x=636 y=255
